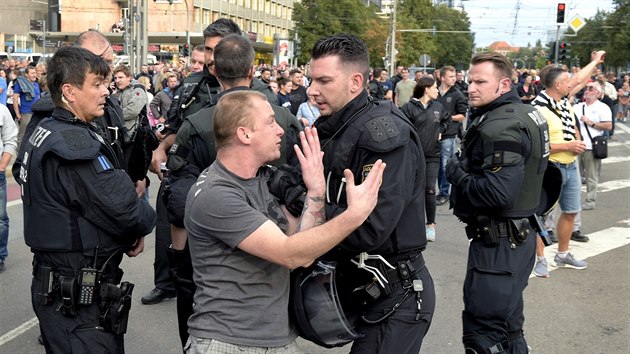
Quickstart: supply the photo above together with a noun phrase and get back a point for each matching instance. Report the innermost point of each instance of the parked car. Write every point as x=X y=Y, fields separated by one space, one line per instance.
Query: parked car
x=124 y=60
x=31 y=57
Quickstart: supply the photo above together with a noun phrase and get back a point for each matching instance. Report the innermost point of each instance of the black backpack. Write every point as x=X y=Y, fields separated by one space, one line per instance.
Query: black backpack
x=139 y=145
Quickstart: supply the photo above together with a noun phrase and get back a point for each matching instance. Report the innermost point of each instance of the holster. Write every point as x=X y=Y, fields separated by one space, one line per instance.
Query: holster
x=491 y=230
x=115 y=306
x=68 y=290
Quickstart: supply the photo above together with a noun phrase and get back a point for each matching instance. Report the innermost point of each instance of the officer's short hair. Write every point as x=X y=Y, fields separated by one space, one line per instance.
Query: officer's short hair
x=233 y=57
x=234 y=110
x=294 y=71
x=221 y=28
x=351 y=51
x=549 y=74
x=501 y=63
x=69 y=65
x=263 y=70
x=199 y=48
x=422 y=85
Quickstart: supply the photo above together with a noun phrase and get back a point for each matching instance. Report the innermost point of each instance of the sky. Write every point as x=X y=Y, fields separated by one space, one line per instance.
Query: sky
x=499 y=20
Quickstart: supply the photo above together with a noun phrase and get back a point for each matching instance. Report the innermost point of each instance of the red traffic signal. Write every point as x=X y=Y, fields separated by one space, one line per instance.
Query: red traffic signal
x=560 y=13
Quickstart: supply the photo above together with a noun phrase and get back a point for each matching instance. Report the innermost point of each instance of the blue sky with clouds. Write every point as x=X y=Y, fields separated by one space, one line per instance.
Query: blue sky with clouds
x=500 y=20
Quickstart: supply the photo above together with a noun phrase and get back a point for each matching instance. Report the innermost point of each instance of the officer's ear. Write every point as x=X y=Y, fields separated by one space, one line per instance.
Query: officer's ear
x=67 y=92
x=250 y=76
x=357 y=83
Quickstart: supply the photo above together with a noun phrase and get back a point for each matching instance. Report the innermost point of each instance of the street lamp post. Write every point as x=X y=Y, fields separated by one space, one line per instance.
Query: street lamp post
x=392 y=45
x=188 y=32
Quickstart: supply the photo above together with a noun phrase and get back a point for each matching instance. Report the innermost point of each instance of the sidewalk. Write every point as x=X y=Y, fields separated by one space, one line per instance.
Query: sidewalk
x=13 y=189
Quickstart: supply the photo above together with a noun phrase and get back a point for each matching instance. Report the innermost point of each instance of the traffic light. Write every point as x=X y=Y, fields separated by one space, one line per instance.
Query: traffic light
x=560 y=12
x=297 y=47
x=551 y=54
x=564 y=51
x=185 y=50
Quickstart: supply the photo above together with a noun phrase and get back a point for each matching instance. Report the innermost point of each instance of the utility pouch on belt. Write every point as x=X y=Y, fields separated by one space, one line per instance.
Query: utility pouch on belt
x=115 y=306
x=68 y=288
x=484 y=228
x=520 y=231
x=47 y=276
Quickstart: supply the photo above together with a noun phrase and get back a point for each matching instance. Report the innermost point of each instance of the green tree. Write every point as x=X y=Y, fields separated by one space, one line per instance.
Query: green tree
x=453 y=48
x=609 y=31
x=317 y=18
x=618 y=35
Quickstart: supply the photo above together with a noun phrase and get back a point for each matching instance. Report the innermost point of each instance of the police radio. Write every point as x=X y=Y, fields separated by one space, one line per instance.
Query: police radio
x=88 y=282
x=87 y=286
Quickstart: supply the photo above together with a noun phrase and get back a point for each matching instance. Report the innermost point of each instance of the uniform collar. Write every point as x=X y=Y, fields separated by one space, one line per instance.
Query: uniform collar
x=327 y=126
x=510 y=97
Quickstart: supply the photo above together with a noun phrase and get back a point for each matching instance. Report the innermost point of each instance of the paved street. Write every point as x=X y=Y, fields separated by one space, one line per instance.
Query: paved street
x=571 y=312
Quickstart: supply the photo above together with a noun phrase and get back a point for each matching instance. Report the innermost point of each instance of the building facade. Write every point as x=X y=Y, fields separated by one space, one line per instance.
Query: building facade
x=169 y=23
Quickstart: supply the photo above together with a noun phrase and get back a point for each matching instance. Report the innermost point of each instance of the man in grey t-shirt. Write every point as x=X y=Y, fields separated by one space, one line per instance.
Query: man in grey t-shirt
x=238 y=233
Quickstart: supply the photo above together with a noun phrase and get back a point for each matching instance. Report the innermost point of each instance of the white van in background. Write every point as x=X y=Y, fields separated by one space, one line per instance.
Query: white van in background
x=124 y=60
x=30 y=57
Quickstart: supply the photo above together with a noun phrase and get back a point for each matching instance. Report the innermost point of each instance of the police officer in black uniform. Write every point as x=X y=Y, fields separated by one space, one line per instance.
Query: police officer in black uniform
x=81 y=214
x=354 y=133
x=197 y=91
x=497 y=184
x=194 y=150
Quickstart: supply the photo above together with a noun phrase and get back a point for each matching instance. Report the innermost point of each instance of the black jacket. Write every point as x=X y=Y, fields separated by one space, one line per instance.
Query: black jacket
x=75 y=195
x=455 y=103
x=430 y=122
x=354 y=138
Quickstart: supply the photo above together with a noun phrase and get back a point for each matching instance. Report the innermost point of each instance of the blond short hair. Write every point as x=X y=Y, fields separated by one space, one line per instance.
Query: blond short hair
x=234 y=110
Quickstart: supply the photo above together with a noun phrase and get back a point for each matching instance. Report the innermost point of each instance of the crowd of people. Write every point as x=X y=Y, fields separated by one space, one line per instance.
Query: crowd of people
x=266 y=170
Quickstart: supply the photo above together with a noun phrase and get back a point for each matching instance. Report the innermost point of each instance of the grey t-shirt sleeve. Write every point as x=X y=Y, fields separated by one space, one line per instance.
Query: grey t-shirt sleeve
x=224 y=213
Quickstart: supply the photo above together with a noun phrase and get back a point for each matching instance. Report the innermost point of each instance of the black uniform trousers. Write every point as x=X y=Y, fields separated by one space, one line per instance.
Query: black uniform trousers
x=404 y=330
x=493 y=294
x=78 y=334
x=181 y=268
x=162 y=277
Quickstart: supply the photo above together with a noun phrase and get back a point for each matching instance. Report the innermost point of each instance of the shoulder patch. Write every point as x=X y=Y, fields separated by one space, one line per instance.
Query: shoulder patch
x=76 y=139
x=382 y=128
x=101 y=164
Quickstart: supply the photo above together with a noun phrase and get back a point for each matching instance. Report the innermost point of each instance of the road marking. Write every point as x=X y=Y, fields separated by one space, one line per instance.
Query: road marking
x=599 y=242
x=618 y=143
x=610 y=185
x=622 y=127
x=615 y=159
x=19 y=330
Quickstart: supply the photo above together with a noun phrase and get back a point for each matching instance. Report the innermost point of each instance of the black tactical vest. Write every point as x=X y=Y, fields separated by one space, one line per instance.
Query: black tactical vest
x=485 y=139
x=378 y=127
x=49 y=224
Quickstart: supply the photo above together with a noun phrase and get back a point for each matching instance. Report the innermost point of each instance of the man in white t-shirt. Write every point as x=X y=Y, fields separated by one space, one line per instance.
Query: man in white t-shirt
x=596 y=117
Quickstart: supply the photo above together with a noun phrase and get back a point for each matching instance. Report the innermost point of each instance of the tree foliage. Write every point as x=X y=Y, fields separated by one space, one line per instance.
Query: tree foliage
x=609 y=31
x=317 y=18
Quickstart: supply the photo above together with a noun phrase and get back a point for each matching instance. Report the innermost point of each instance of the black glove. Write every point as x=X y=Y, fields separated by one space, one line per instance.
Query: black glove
x=286 y=184
x=455 y=172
